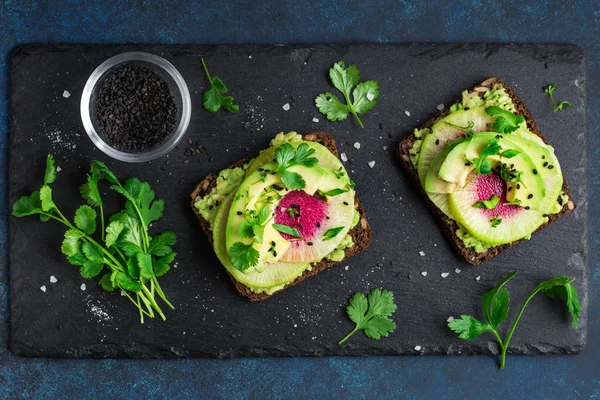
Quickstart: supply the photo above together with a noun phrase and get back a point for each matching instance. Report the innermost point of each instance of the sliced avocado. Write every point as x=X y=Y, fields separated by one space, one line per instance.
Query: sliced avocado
x=530 y=190
x=433 y=184
x=272 y=278
x=455 y=168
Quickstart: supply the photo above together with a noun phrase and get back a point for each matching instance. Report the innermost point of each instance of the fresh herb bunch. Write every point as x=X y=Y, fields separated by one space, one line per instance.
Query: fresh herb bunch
x=214 y=97
x=507 y=121
x=495 y=309
x=372 y=314
x=130 y=258
x=363 y=99
x=556 y=107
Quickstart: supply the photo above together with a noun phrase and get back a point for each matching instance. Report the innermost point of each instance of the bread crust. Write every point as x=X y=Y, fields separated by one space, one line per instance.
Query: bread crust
x=449 y=226
x=361 y=233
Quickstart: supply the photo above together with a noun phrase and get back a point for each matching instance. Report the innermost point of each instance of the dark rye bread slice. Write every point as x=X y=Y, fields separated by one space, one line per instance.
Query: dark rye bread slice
x=361 y=233
x=449 y=226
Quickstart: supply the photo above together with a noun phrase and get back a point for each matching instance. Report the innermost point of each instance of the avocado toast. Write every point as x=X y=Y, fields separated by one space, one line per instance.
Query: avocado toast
x=271 y=229
x=486 y=172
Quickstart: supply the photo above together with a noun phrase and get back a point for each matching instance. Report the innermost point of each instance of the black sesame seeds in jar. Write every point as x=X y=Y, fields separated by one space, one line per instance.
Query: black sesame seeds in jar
x=135 y=110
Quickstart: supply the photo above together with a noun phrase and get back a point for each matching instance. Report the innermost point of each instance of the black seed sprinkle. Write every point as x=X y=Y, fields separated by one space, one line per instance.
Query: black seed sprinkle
x=210 y=207
x=545 y=164
x=543 y=157
x=274 y=253
x=509 y=188
x=345 y=203
x=239 y=213
x=310 y=243
x=437 y=142
x=467 y=164
x=527 y=207
x=512 y=165
x=550 y=166
x=535 y=171
x=530 y=196
x=327 y=217
x=318 y=224
x=273 y=243
x=518 y=186
x=545 y=215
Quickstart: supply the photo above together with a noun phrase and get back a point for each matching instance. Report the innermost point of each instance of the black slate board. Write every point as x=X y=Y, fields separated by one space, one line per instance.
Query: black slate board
x=211 y=320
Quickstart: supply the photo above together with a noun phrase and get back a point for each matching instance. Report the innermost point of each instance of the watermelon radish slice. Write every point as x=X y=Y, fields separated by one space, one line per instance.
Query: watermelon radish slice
x=516 y=222
x=312 y=217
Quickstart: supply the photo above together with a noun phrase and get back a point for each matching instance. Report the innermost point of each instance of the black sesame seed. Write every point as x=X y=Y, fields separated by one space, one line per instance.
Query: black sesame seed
x=543 y=157
x=437 y=142
x=545 y=164
x=509 y=188
x=310 y=243
x=467 y=164
x=273 y=243
x=527 y=207
x=530 y=196
x=210 y=207
x=239 y=213
x=327 y=217
x=512 y=165
x=545 y=215
x=518 y=186
x=274 y=253
x=535 y=171
x=345 y=203
x=550 y=166
x=318 y=224
x=261 y=169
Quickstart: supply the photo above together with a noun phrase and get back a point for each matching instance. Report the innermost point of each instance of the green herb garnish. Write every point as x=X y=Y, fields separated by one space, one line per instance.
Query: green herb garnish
x=213 y=97
x=286 y=157
x=495 y=221
x=288 y=230
x=515 y=202
x=132 y=259
x=482 y=164
x=371 y=314
x=495 y=309
x=363 y=99
x=292 y=212
x=511 y=175
x=510 y=153
x=556 y=107
x=243 y=256
x=507 y=121
x=331 y=233
x=489 y=204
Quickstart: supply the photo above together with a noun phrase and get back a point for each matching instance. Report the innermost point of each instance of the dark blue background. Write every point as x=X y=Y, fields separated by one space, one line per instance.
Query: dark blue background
x=109 y=21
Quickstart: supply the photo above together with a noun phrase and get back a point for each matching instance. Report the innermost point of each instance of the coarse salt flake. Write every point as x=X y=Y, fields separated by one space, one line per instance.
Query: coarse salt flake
x=418 y=348
x=440 y=107
x=422 y=253
x=424 y=273
x=457 y=270
x=344 y=157
x=43 y=289
x=58 y=169
x=315 y=119
x=478 y=278
x=371 y=164
x=407 y=113
x=286 y=106
x=357 y=145
x=370 y=96
x=53 y=279
x=82 y=287
x=445 y=274
x=450 y=319
x=347 y=267
x=66 y=94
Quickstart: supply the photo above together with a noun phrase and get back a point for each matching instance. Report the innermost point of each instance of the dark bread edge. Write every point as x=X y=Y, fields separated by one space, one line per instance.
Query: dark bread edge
x=361 y=233
x=449 y=226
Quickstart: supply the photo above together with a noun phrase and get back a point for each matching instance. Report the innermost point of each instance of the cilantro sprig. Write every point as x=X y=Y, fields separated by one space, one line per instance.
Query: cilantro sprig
x=214 y=97
x=286 y=156
x=483 y=165
x=371 y=314
x=556 y=107
x=495 y=309
x=506 y=121
x=130 y=258
x=361 y=100
x=489 y=204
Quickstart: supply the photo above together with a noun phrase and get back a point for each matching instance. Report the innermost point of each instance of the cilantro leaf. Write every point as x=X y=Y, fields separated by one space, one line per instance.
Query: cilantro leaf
x=161 y=265
x=50 y=172
x=331 y=233
x=510 y=153
x=145 y=264
x=372 y=314
x=28 y=205
x=292 y=180
x=160 y=245
x=246 y=229
x=495 y=308
x=489 y=204
x=106 y=282
x=358 y=101
x=213 y=98
x=90 y=192
x=506 y=121
x=113 y=231
x=70 y=244
x=287 y=230
x=556 y=107
x=90 y=269
x=99 y=169
x=286 y=156
x=243 y=256
x=128 y=283
x=495 y=221
x=46 y=199
x=92 y=252
x=85 y=219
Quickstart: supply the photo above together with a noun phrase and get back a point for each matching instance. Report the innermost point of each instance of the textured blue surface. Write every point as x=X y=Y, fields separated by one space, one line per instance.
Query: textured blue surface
x=108 y=21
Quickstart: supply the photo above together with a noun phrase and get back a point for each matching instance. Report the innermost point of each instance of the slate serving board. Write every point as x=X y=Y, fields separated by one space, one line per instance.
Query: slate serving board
x=210 y=319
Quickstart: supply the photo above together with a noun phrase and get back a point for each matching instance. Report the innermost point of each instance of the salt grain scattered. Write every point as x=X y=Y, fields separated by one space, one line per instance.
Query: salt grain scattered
x=407 y=113
x=58 y=169
x=445 y=274
x=53 y=279
x=384 y=147
x=422 y=253
x=82 y=286
x=450 y=319
x=43 y=289
x=315 y=119
x=344 y=157
x=424 y=273
x=440 y=107
x=347 y=267
x=66 y=94
x=478 y=278
x=286 y=106
x=457 y=271
x=357 y=145
x=418 y=348
x=371 y=164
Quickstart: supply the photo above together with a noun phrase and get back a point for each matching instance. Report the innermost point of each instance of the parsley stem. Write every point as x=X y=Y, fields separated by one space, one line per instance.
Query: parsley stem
x=348 y=335
x=206 y=71
x=153 y=302
x=102 y=222
x=161 y=293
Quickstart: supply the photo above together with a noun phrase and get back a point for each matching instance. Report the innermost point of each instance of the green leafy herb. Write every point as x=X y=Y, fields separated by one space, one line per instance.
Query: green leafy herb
x=243 y=256
x=483 y=165
x=495 y=221
x=292 y=212
x=288 y=230
x=363 y=99
x=515 y=202
x=489 y=204
x=286 y=157
x=510 y=153
x=372 y=314
x=468 y=130
x=556 y=107
x=334 y=192
x=495 y=309
x=125 y=251
x=331 y=233
x=510 y=174
x=213 y=98
x=506 y=122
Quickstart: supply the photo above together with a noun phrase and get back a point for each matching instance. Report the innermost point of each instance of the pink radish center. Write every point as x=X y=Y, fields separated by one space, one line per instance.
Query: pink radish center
x=489 y=185
x=302 y=211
